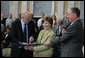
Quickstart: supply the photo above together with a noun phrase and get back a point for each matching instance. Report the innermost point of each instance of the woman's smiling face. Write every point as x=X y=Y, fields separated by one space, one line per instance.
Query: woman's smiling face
x=46 y=25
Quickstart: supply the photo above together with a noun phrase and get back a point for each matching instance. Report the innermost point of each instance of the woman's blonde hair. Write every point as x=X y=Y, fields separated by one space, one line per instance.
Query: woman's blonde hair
x=49 y=19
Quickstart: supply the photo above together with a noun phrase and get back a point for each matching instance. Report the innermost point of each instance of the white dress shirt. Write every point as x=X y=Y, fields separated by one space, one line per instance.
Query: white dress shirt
x=23 y=25
x=39 y=22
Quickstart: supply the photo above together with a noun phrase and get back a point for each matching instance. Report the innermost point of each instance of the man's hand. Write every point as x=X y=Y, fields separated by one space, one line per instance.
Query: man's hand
x=25 y=47
x=47 y=43
x=4 y=41
x=22 y=43
x=31 y=39
x=2 y=46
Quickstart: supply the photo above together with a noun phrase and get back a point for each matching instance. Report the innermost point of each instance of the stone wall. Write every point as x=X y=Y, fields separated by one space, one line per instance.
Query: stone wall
x=5 y=8
x=44 y=6
x=38 y=7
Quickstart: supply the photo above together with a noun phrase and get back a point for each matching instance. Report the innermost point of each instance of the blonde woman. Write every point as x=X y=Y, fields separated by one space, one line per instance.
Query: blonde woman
x=45 y=35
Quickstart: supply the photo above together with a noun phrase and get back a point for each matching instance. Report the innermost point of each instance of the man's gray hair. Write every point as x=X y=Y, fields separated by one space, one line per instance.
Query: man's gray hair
x=75 y=10
x=24 y=13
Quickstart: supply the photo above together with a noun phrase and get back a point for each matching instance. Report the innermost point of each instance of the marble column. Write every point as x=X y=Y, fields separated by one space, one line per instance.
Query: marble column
x=60 y=9
x=14 y=9
x=81 y=9
x=24 y=6
x=71 y=4
x=31 y=6
x=82 y=12
x=53 y=5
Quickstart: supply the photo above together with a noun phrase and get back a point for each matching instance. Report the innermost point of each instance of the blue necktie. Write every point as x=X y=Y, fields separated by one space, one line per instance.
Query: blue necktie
x=57 y=31
x=25 y=31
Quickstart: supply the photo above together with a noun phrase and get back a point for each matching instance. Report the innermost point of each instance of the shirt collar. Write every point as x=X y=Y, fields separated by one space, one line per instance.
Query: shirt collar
x=73 y=21
x=22 y=22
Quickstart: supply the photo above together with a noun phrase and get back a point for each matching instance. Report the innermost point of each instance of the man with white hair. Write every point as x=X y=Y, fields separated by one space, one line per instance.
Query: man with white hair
x=22 y=31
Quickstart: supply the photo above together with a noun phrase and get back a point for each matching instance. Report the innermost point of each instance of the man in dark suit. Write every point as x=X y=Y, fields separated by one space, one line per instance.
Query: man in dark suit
x=3 y=20
x=22 y=31
x=72 y=40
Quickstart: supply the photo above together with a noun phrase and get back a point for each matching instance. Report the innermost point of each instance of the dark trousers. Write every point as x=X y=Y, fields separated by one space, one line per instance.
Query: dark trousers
x=21 y=52
x=56 y=51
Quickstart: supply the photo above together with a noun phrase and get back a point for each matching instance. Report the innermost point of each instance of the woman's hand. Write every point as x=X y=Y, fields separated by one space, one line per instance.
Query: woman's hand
x=47 y=43
x=31 y=48
x=31 y=39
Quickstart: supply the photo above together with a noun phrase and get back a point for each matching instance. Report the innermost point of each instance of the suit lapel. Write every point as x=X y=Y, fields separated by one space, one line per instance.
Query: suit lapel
x=74 y=23
x=20 y=29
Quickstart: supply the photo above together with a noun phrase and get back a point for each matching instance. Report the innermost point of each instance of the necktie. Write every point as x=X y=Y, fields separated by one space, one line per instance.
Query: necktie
x=26 y=33
x=57 y=31
x=25 y=30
